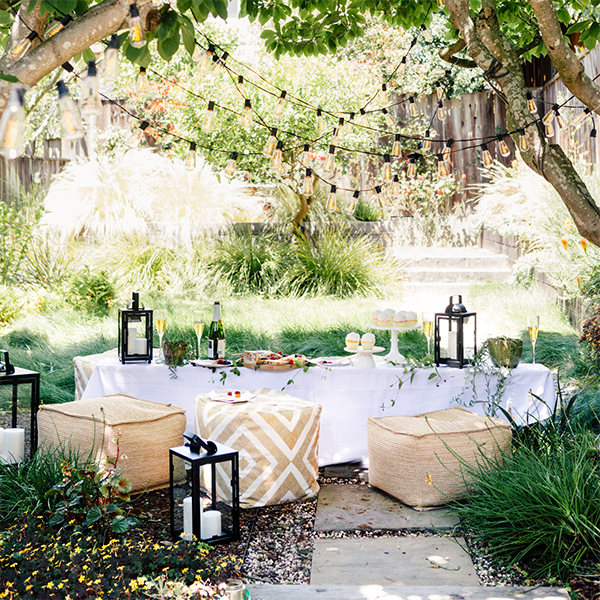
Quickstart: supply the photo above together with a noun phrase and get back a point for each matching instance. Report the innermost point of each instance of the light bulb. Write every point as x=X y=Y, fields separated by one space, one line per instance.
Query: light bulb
x=442 y=166
x=426 y=33
x=23 y=47
x=503 y=147
x=441 y=113
x=341 y=128
x=219 y=62
x=364 y=118
x=522 y=140
x=377 y=195
x=89 y=99
x=137 y=135
x=196 y=56
x=397 y=146
x=412 y=107
x=307 y=188
x=111 y=59
x=350 y=123
x=401 y=66
x=205 y=63
x=486 y=157
x=549 y=130
x=439 y=90
x=320 y=121
x=531 y=105
x=351 y=206
x=137 y=38
x=560 y=120
x=305 y=156
x=246 y=120
x=330 y=161
x=231 y=167
x=384 y=95
x=280 y=106
x=388 y=117
x=208 y=121
x=59 y=26
x=412 y=168
x=581 y=117
x=387 y=168
x=240 y=84
x=277 y=156
x=396 y=186
x=190 y=159
x=12 y=124
x=141 y=83
x=549 y=116
x=69 y=116
x=593 y=131
x=427 y=141
x=447 y=150
x=331 y=204
x=271 y=143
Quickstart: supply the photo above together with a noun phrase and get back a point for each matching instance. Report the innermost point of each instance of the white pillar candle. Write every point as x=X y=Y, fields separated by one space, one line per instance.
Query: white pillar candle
x=452 y=349
x=188 y=530
x=131 y=337
x=211 y=524
x=13 y=446
x=140 y=346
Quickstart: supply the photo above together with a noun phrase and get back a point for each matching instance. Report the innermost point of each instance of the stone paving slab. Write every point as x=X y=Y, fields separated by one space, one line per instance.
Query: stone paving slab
x=410 y=561
x=410 y=592
x=355 y=506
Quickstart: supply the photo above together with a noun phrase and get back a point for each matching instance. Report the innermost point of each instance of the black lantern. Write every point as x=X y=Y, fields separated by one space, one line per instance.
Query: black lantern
x=455 y=342
x=135 y=332
x=206 y=504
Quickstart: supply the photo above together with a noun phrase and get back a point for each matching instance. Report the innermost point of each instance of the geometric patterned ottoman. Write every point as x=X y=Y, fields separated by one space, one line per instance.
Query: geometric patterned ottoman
x=277 y=437
x=419 y=459
x=148 y=430
x=84 y=365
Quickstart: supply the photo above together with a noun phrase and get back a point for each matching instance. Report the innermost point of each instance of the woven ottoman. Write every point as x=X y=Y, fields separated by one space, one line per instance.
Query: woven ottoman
x=277 y=437
x=84 y=365
x=148 y=430
x=418 y=459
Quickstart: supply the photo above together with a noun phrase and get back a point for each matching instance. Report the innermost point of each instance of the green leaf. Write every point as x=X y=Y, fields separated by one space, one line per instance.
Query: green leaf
x=5 y=18
x=432 y=375
x=94 y=514
x=55 y=519
x=88 y=55
x=220 y=9
x=563 y=16
x=9 y=78
x=187 y=34
x=184 y=5
x=120 y=524
x=139 y=56
x=580 y=26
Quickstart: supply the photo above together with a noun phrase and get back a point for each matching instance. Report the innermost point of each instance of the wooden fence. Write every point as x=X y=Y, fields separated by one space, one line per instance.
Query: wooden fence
x=18 y=176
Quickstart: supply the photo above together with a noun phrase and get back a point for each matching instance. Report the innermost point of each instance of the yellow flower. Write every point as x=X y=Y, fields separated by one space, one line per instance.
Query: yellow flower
x=584 y=244
x=429 y=480
x=564 y=242
x=568 y=224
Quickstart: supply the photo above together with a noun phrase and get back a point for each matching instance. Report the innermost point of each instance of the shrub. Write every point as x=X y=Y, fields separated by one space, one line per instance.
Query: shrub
x=93 y=292
x=368 y=211
x=10 y=305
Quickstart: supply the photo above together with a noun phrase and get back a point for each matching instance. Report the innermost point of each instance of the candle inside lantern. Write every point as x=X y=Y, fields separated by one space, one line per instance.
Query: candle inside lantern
x=211 y=524
x=452 y=349
x=141 y=345
x=188 y=520
x=13 y=446
x=131 y=338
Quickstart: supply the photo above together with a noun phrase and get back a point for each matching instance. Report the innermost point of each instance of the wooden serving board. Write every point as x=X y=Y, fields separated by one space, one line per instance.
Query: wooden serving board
x=271 y=366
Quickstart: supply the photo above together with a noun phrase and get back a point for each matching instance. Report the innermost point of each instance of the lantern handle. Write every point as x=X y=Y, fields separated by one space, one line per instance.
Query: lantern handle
x=457 y=307
x=197 y=442
x=135 y=302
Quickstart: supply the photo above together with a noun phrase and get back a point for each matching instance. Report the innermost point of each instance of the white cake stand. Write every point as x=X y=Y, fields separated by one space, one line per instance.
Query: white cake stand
x=394 y=356
x=364 y=358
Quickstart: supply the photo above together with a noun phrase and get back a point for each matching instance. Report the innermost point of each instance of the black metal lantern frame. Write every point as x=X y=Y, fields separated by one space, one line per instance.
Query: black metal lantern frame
x=452 y=341
x=211 y=488
x=135 y=333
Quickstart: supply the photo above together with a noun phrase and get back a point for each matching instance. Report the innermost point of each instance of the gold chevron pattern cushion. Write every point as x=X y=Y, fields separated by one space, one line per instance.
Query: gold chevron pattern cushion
x=277 y=437
x=84 y=365
x=148 y=430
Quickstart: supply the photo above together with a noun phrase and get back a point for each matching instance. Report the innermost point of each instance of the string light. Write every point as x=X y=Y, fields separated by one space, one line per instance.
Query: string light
x=531 y=105
x=330 y=161
x=219 y=63
x=378 y=195
x=351 y=207
x=307 y=188
x=141 y=83
x=271 y=143
x=137 y=37
x=503 y=146
x=231 y=167
x=23 y=47
x=439 y=90
x=581 y=117
x=549 y=116
x=396 y=186
x=522 y=140
x=388 y=117
x=559 y=119
x=427 y=141
x=320 y=121
x=205 y=63
x=12 y=124
x=443 y=170
x=138 y=135
x=441 y=113
x=412 y=166
x=240 y=84
x=305 y=160
x=384 y=95
x=190 y=159
x=593 y=131
x=59 y=26
x=397 y=146
x=69 y=116
x=549 y=130
x=402 y=65
x=387 y=168
x=350 y=123
x=447 y=150
x=364 y=118
x=90 y=103
x=277 y=156
x=331 y=204
x=486 y=157
x=111 y=59
x=280 y=106
x=246 y=120
x=208 y=121
x=426 y=33
x=412 y=107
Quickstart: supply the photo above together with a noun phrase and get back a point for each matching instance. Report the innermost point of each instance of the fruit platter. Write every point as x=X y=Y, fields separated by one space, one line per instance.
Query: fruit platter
x=264 y=359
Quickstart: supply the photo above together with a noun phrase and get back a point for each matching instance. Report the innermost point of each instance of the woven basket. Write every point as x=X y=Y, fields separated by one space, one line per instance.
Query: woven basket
x=418 y=459
x=148 y=430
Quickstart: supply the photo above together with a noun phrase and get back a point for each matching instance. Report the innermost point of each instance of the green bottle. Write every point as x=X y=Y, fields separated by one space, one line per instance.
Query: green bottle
x=216 y=335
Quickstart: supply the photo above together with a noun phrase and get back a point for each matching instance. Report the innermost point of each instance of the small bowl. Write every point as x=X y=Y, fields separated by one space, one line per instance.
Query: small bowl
x=505 y=352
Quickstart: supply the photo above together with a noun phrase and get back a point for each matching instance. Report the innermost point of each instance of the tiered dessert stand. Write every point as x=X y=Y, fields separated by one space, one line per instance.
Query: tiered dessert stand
x=364 y=358
x=394 y=357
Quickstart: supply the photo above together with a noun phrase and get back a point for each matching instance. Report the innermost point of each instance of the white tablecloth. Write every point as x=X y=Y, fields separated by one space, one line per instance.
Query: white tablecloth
x=348 y=395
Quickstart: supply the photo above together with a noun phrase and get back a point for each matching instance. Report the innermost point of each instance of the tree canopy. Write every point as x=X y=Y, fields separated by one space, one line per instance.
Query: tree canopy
x=496 y=37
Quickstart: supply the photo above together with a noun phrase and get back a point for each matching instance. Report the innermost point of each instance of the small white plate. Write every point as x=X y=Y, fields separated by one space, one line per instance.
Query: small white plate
x=333 y=361
x=211 y=364
x=229 y=396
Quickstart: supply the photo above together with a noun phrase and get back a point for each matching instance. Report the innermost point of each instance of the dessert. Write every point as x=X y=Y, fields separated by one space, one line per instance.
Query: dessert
x=376 y=317
x=352 y=340
x=405 y=319
x=367 y=341
x=386 y=318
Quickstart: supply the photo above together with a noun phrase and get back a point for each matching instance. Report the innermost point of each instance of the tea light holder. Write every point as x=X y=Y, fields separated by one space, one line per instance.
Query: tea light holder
x=206 y=505
x=455 y=335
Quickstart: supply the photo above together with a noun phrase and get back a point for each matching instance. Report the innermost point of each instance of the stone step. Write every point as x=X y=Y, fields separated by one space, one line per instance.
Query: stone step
x=476 y=258
x=381 y=591
x=454 y=274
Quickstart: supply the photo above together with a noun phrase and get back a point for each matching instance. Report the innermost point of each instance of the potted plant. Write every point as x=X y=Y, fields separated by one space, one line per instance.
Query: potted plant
x=175 y=352
x=503 y=351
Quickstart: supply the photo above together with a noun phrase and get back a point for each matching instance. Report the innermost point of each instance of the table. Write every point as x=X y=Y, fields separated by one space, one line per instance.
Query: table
x=348 y=395
x=23 y=376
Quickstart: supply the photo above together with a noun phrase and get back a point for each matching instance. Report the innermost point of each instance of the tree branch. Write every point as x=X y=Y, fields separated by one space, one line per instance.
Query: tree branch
x=448 y=53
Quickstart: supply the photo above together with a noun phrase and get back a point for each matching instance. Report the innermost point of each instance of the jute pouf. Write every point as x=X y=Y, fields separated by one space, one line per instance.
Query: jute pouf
x=84 y=365
x=277 y=437
x=418 y=459
x=147 y=431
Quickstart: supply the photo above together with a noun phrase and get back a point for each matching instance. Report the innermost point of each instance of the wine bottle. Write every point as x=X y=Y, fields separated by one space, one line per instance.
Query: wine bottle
x=216 y=335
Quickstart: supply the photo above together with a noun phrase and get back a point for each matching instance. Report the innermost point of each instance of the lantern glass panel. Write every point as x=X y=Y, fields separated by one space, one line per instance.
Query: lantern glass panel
x=455 y=338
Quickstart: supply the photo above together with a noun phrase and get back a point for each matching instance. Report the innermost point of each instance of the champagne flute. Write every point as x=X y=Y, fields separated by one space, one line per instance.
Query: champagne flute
x=161 y=325
x=198 y=328
x=533 y=327
x=428 y=329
